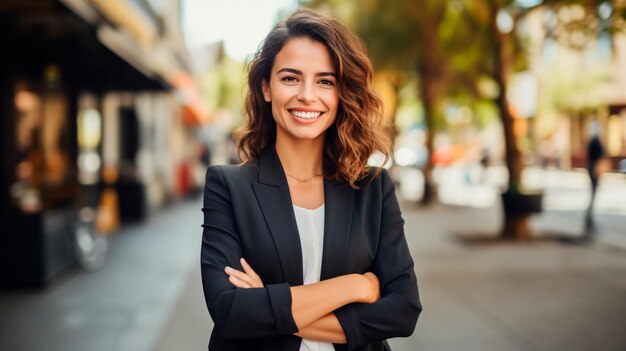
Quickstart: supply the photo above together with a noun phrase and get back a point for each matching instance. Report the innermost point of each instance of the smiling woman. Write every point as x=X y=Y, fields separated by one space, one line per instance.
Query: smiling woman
x=303 y=245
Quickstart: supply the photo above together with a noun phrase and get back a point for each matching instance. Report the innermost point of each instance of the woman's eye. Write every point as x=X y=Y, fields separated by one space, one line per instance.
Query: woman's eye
x=327 y=82
x=289 y=79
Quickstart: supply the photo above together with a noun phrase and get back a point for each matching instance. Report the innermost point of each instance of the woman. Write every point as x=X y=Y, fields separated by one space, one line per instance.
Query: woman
x=303 y=245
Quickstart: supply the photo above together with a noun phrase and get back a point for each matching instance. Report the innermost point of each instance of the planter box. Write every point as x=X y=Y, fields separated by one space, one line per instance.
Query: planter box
x=132 y=200
x=522 y=204
x=37 y=248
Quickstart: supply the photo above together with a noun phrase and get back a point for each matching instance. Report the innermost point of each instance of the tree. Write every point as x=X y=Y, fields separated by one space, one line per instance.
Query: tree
x=495 y=24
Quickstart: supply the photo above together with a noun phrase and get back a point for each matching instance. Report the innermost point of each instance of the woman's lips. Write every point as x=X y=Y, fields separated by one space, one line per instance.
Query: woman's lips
x=306 y=116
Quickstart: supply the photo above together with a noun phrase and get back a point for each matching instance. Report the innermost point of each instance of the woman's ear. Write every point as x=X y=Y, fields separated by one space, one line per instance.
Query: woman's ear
x=266 y=91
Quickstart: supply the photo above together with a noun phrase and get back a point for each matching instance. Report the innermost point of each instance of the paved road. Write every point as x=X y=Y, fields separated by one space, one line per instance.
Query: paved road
x=539 y=295
x=566 y=197
x=122 y=307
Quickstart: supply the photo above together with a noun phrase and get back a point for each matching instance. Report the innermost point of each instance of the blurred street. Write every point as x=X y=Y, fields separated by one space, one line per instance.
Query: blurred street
x=538 y=295
x=566 y=197
x=112 y=111
x=122 y=306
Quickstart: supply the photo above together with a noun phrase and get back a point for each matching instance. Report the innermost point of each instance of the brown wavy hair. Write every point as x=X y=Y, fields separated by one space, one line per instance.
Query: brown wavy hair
x=358 y=130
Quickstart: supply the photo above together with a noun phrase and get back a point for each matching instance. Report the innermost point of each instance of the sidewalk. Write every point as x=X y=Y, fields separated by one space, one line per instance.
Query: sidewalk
x=121 y=307
x=541 y=295
x=565 y=200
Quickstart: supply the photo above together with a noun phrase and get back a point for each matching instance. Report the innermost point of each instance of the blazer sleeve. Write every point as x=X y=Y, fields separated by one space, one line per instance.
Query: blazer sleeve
x=236 y=312
x=396 y=313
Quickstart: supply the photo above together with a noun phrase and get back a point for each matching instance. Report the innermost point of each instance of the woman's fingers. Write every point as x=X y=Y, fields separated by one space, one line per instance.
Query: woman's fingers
x=238 y=283
x=240 y=277
x=258 y=283
x=246 y=279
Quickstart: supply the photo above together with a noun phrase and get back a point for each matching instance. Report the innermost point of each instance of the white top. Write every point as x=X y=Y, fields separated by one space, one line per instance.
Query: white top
x=311 y=230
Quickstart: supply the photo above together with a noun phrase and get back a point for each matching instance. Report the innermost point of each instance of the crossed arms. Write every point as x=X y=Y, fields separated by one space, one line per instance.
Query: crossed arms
x=354 y=308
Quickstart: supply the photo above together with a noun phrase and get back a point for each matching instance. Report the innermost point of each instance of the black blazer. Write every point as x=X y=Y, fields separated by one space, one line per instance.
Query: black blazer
x=248 y=213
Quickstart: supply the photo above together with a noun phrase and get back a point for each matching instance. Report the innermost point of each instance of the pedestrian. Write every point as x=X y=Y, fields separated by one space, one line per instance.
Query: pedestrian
x=303 y=245
x=595 y=153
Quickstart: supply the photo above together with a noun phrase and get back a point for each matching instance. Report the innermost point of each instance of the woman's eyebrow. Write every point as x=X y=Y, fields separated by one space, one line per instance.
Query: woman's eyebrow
x=299 y=72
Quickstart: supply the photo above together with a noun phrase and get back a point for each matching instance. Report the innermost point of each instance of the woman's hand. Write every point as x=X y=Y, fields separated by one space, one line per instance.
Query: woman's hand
x=371 y=288
x=246 y=279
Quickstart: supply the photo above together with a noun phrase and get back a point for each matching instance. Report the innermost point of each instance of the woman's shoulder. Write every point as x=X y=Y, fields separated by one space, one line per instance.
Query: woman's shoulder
x=233 y=173
x=375 y=177
x=375 y=173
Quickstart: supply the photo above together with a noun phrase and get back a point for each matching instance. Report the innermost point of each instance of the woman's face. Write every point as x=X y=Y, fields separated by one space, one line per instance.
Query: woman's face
x=303 y=90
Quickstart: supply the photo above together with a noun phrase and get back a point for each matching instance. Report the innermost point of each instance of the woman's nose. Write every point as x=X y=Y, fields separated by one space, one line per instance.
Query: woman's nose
x=307 y=93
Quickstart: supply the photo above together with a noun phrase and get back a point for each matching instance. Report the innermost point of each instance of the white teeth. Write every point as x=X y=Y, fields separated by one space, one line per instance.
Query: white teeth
x=306 y=115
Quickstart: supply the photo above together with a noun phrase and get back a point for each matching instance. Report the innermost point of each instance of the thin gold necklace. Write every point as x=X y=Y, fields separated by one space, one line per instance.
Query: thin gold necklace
x=303 y=180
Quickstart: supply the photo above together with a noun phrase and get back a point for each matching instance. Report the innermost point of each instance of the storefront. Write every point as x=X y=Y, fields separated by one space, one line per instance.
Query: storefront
x=61 y=59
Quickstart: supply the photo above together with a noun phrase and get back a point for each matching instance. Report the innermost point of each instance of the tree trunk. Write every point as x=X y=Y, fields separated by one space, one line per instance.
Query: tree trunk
x=430 y=71
x=428 y=105
x=515 y=226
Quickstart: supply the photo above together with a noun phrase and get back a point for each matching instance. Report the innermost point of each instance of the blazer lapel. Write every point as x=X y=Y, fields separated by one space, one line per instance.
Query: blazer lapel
x=339 y=201
x=272 y=193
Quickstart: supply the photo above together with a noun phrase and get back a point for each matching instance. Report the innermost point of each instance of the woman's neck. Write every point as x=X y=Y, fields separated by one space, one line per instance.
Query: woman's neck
x=301 y=159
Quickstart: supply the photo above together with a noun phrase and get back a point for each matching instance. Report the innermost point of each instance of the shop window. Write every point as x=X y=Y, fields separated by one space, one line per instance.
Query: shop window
x=614 y=135
x=42 y=171
x=89 y=130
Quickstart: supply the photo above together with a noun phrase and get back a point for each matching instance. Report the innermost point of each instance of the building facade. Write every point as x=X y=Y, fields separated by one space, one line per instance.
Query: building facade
x=98 y=124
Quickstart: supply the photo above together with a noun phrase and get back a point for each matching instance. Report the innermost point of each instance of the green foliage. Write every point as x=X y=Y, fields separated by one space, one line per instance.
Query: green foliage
x=410 y=111
x=389 y=28
x=399 y=35
x=224 y=86
x=567 y=90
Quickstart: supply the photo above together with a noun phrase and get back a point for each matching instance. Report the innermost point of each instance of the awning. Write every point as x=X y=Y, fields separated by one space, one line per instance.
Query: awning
x=131 y=32
x=193 y=112
x=68 y=41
